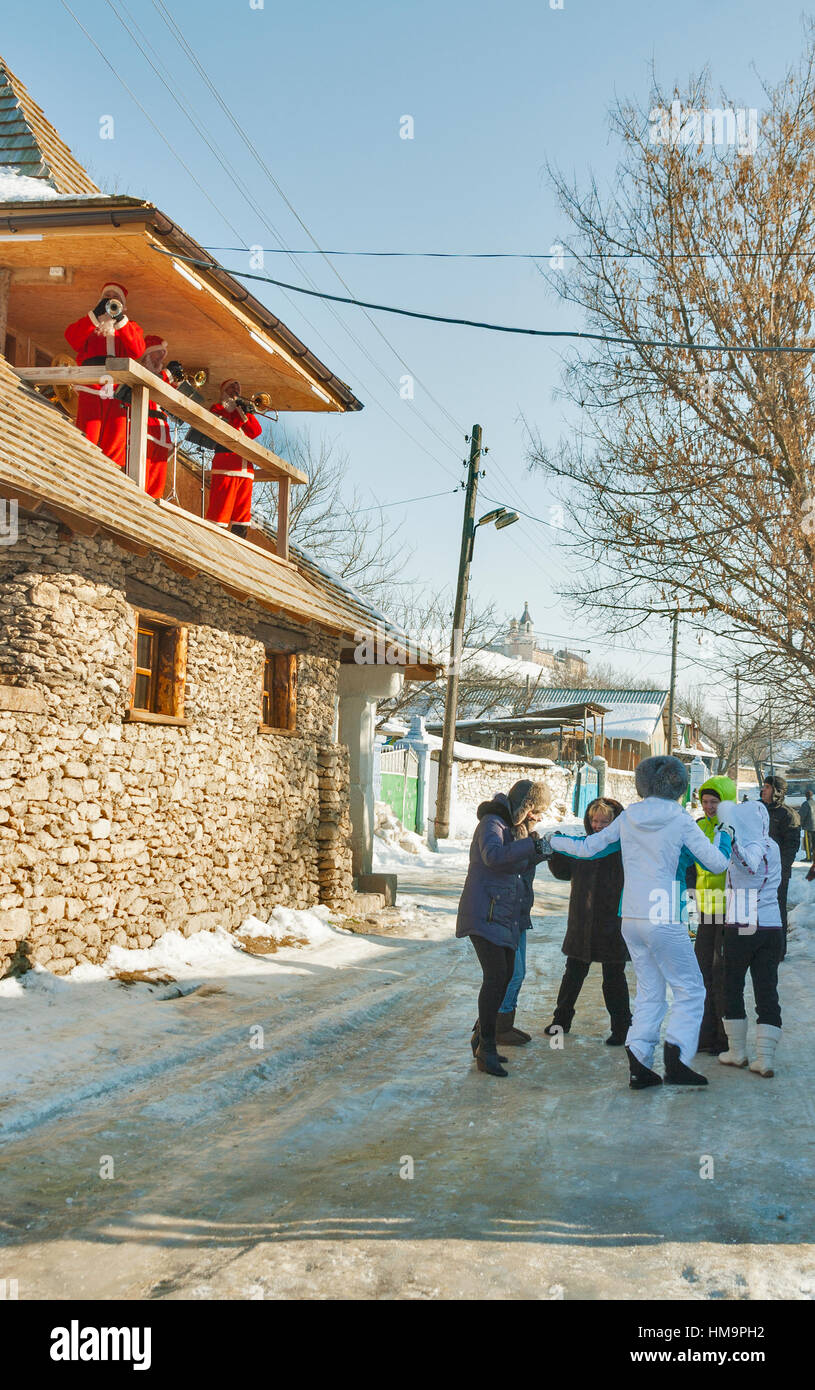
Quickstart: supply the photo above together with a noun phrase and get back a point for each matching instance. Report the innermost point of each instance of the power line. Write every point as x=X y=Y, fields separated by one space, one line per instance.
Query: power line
x=449 y=492
x=178 y=34
x=200 y=130
x=491 y=327
x=525 y=255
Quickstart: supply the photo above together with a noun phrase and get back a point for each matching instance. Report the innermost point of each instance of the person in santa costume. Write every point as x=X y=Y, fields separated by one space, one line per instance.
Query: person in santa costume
x=159 y=442
x=658 y=840
x=230 y=488
x=105 y=331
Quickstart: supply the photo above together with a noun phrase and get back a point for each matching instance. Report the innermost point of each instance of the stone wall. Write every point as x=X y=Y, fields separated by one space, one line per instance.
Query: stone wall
x=114 y=831
x=475 y=781
x=620 y=785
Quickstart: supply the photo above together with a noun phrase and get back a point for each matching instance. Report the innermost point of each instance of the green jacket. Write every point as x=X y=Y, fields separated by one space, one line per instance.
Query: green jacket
x=710 y=895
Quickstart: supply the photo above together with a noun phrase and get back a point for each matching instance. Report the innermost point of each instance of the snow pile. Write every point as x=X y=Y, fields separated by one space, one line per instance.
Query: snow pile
x=801 y=904
x=311 y=926
x=389 y=829
x=19 y=188
x=478 y=661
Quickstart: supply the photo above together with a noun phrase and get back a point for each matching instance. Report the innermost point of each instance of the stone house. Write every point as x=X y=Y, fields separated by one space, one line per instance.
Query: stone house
x=183 y=728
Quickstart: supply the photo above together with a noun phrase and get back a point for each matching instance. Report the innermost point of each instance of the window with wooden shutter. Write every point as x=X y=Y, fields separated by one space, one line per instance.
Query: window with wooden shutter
x=160 y=671
x=279 y=709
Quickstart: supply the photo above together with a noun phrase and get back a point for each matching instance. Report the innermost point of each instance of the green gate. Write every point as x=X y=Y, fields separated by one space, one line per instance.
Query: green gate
x=399 y=783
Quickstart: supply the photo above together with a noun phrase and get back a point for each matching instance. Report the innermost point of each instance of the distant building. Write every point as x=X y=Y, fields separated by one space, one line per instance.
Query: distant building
x=520 y=641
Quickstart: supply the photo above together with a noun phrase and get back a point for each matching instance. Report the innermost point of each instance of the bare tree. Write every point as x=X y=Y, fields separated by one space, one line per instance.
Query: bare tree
x=692 y=479
x=329 y=518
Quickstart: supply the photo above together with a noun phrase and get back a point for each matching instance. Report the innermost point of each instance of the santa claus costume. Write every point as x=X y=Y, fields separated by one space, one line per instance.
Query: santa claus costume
x=159 y=442
x=230 y=489
x=94 y=337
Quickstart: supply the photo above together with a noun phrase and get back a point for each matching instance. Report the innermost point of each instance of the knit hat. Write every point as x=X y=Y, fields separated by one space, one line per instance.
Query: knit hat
x=113 y=289
x=663 y=776
x=721 y=786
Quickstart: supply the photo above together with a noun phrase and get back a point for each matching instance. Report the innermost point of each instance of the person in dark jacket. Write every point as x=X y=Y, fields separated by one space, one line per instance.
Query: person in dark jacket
x=507 y=1034
x=593 y=931
x=805 y=816
x=785 y=829
x=495 y=900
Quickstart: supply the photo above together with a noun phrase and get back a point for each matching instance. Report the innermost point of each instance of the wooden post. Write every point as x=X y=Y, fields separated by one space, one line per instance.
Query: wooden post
x=5 y=280
x=137 y=453
x=283 y=495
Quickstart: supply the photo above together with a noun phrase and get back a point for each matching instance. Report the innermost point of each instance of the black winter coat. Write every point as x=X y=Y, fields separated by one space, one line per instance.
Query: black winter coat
x=785 y=829
x=805 y=815
x=593 y=930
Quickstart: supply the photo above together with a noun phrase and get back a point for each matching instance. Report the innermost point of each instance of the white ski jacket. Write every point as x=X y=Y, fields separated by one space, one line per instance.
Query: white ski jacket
x=658 y=842
x=754 y=872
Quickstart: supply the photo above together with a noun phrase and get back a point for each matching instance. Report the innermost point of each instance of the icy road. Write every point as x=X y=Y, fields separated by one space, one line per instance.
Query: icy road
x=310 y=1125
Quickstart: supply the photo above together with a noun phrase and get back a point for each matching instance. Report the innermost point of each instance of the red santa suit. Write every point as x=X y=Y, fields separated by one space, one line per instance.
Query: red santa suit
x=159 y=441
x=230 y=489
x=104 y=420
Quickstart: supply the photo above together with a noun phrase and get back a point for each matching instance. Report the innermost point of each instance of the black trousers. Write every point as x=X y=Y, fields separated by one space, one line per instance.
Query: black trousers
x=615 y=993
x=497 y=966
x=709 y=946
x=759 y=952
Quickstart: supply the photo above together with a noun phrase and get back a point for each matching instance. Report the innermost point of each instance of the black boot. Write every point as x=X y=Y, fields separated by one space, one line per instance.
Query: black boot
x=641 y=1076
x=617 y=1036
x=556 y=1027
x=507 y=1034
x=475 y=1039
x=676 y=1073
x=487 y=1059
x=615 y=994
x=238 y=529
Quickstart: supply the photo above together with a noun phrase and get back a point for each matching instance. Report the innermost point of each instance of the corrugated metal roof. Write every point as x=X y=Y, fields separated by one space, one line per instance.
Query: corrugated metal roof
x=30 y=144
x=562 y=695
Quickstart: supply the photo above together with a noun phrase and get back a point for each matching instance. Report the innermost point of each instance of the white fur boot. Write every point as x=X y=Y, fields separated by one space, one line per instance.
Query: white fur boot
x=736 y=1054
x=767 y=1039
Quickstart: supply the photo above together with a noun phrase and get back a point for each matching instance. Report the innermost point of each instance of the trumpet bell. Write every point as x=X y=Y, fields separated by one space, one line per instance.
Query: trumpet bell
x=262 y=401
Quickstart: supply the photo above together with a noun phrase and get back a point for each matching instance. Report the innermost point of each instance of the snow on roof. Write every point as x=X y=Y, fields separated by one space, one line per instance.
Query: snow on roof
x=478 y=661
x=471 y=753
x=634 y=721
x=20 y=188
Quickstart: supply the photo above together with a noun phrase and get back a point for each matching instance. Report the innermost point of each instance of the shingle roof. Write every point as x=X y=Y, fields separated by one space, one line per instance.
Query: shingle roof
x=30 y=144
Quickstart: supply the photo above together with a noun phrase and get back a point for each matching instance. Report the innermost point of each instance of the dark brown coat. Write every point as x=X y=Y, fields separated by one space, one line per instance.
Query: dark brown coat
x=593 y=930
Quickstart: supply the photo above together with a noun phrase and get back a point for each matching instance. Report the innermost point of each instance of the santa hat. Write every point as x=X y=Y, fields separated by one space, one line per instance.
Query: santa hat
x=153 y=340
x=113 y=289
x=229 y=381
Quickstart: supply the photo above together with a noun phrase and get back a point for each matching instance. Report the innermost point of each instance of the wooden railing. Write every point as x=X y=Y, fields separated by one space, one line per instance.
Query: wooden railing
x=145 y=386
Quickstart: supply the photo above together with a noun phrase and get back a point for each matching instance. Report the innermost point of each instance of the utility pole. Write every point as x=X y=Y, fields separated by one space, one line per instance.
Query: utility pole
x=737 y=733
x=672 y=696
x=442 y=821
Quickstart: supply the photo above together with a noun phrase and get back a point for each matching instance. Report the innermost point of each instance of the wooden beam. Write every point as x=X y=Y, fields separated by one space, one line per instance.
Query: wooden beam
x=283 y=495
x=137 y=440
x=126 y=370
x=77 y=525
x=5 y=278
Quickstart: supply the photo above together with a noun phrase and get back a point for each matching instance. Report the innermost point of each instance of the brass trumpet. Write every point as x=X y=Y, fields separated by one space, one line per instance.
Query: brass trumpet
x=260 y=401
x=182 y=374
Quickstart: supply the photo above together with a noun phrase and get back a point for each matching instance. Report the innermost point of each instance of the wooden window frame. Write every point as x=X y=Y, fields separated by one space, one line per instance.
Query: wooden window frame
x=167 y=670
x=278 y=700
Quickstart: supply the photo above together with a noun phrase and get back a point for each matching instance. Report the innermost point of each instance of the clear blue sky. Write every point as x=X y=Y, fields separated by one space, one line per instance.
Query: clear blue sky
x=494 y=92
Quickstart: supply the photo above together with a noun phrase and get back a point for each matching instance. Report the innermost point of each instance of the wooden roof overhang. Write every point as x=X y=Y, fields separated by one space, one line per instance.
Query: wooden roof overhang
x=208 y=317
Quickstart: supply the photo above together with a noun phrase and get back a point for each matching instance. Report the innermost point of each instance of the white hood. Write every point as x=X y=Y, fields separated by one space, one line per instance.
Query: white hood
x=755 y=868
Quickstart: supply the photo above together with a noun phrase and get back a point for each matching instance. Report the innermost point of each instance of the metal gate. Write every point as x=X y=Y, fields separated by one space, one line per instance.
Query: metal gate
x=399 y=772
x=585 y=789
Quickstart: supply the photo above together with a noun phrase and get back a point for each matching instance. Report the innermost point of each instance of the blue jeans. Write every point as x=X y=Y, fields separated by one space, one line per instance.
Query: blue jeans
x=514 y=986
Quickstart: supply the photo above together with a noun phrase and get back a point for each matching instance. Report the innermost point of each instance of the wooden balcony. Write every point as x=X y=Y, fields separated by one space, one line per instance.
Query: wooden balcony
x=145 y=386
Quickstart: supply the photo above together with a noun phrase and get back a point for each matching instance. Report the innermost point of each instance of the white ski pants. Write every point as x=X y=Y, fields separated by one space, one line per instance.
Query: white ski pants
x=663 y=955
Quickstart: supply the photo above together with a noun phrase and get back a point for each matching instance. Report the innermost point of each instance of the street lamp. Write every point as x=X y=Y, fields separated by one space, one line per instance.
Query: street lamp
x=502 y=517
